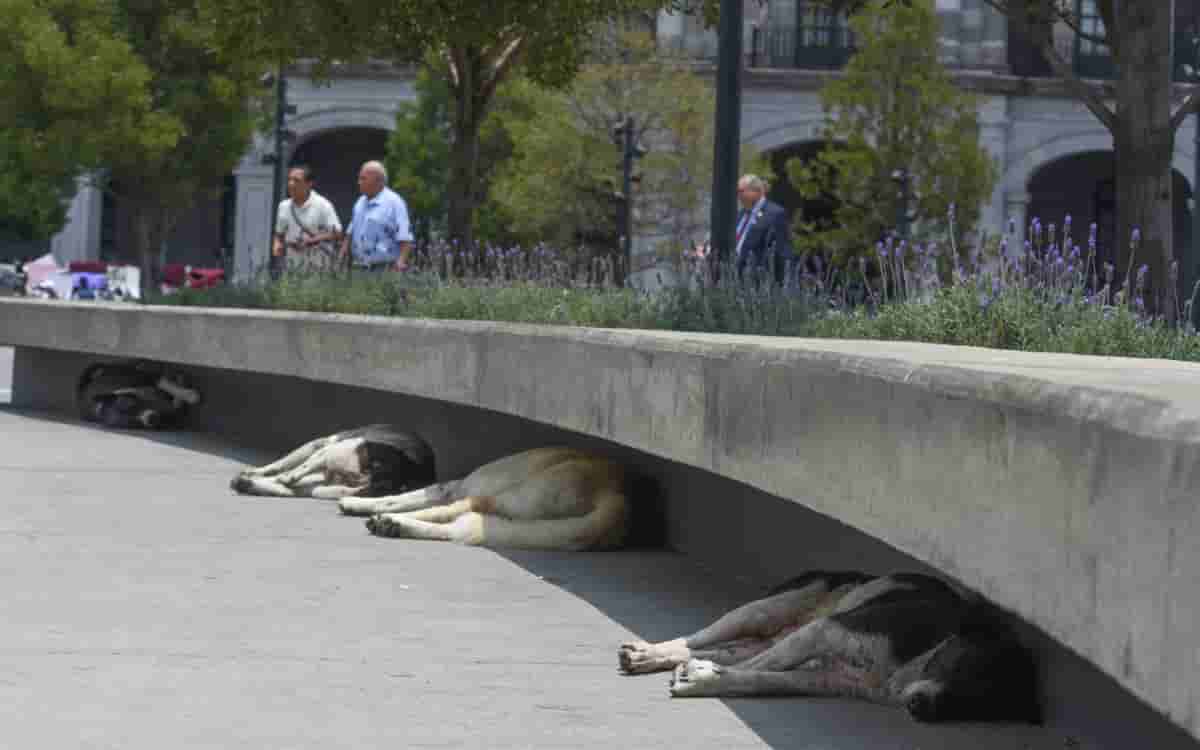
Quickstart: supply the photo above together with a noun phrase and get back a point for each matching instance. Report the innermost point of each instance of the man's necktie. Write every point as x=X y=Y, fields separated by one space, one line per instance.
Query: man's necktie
x=743 y=222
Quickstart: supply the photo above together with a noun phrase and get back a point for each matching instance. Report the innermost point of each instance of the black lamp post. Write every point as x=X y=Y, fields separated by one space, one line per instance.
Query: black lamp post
x=282 y=109
x=727 y=140
x=1191 y=256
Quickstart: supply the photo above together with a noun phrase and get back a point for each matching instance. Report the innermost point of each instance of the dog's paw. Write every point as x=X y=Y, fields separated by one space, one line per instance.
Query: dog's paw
x=695 y=678
x=241 y=484
x=382 y=524
x=640 y=657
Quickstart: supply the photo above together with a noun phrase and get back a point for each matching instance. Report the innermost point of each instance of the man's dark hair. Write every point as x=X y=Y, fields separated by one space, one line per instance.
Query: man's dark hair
x=304 y=170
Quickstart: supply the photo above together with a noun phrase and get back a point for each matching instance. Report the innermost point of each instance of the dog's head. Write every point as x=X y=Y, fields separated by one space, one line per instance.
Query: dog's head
x=392 y=468
x=982 y=673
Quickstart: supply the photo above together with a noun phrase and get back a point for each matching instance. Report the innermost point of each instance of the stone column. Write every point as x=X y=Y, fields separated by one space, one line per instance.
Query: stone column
x=993 y=136
x=255 y=211
x=80 y=238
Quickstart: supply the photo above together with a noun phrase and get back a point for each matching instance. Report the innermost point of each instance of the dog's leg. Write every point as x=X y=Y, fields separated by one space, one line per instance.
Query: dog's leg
x=291 y=460
x=434 y=494
x=304 y=486
x=754 y=622
x=260 y=486
x=311 y=465
x=451 y=512
x=704 y=679
x=334 y=492
x=466 y=529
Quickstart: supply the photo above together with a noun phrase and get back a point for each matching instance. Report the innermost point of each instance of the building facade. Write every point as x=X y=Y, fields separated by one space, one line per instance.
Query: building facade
x=1054 y=157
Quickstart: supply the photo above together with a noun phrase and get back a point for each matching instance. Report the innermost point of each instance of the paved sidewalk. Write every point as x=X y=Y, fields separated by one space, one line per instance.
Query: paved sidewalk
x=146 y=606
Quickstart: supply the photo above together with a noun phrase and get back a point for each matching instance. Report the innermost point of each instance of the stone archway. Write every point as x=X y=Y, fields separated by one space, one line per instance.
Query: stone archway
x=1082 y=184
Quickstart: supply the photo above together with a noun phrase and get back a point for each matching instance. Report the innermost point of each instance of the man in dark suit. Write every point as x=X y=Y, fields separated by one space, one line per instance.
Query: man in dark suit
x=763 y=235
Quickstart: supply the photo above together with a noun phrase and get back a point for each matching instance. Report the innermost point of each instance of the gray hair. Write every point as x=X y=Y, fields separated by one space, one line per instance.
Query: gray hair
x=378 y=168
x=754 y=182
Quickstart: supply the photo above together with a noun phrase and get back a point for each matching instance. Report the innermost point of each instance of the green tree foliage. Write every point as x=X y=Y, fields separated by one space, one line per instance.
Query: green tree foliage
x=135 y=92
x=477 y=43
x=561 y=183
x=203 y=101
x=71 y=87
x=418 y=152
x=894 y=109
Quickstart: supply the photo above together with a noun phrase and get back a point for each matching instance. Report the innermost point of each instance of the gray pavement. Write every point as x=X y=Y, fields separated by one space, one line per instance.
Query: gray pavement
x=146 y=606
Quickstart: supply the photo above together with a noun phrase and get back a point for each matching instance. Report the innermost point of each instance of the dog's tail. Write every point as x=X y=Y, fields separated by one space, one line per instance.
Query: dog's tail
x=604 y=527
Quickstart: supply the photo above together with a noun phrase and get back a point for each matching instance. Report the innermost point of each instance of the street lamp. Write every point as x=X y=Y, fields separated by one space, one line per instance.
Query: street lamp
x=727 y=138
x=282 y=135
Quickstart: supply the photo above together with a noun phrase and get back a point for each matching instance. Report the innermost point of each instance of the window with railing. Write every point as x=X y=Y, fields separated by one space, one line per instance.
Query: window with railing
x=820 y=38
x=1092 y=59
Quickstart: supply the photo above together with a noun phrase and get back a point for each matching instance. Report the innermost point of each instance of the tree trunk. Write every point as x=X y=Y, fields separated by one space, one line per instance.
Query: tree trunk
x=148 y=224
x=1144 y=142
x=1143 y=185
x=464 y=172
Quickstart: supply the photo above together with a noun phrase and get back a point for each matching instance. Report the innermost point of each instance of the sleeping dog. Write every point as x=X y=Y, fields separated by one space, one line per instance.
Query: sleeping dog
x=134 y=394
x=905 y=639
x=547 y=498
x=371 y=461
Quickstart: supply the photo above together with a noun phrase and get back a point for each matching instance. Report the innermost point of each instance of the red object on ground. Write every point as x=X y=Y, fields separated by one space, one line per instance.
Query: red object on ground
x=174 y=274
x=205 y=278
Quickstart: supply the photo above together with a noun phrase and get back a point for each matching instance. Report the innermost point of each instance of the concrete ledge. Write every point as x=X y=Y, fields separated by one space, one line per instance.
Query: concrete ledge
x=1063 y=487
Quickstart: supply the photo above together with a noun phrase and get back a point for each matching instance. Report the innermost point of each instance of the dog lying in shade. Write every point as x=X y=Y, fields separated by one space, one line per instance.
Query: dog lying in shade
x=905 y=640
x=547 y=498
x=371 y=461
x=134 y=395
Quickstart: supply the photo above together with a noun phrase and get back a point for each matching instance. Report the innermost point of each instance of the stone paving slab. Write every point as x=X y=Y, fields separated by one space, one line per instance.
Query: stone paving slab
x=146 y=606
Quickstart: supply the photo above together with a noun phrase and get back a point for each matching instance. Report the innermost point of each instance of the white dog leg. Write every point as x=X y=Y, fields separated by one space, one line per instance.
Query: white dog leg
x=311 y=465
x=467 y=529
x=426 y=497
x=737 y=635
x=291 y=460
x=334 y=492
x=261 y=486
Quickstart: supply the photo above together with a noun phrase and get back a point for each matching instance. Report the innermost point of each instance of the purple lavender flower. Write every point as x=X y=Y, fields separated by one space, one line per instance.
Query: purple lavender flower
x=1141 y=273
x=1173 y=271
x=1075 y=254
x=1108 y=272
x=1137 y=235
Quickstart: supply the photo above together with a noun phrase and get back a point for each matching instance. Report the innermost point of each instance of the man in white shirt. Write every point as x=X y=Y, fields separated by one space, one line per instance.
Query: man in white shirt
x=306 y=226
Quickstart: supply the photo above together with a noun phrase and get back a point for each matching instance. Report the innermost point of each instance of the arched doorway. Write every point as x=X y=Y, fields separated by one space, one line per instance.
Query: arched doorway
x=335 y=157
x=1084 y=186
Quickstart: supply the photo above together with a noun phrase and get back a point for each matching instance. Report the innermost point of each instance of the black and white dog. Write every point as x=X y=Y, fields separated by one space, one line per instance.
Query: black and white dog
x=371 y=461
x=134 y=394
x=905 y=639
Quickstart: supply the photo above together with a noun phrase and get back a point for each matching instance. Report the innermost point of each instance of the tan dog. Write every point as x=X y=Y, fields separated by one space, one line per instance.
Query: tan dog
x=547 y=498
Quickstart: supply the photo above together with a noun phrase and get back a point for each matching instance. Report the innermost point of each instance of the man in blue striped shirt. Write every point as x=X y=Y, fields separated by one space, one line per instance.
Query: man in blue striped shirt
x=379 y=237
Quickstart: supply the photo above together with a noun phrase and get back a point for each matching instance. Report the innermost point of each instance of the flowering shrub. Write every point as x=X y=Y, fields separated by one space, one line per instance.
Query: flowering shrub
x=1048 y=294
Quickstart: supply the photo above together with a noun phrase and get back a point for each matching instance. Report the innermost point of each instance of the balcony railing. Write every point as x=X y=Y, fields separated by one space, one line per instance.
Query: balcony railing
x=1089 y=62
x=826 y=48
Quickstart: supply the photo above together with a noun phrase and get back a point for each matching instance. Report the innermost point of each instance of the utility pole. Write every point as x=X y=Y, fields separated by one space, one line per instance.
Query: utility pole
x=625 y=137
x=1191 y=256
x=727 y=140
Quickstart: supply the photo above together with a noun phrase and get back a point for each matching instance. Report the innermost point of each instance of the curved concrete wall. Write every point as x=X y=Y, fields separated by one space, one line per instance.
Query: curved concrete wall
x=1063 y=487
